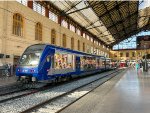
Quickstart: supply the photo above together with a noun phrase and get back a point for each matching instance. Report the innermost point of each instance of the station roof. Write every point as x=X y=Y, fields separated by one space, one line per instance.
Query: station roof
x=109 y=21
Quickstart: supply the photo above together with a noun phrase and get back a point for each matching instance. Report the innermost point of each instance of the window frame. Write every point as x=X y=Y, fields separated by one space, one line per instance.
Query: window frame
x=79 y=45
x=83 y=46
x=17 y=27
x=127 y=54
x=53 y=36
x=38 y=31
x=72 y=43
x=64 y=40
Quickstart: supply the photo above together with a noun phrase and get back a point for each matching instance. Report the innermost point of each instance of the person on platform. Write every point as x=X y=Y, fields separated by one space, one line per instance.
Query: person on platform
x=137 y=66
x=141 y=66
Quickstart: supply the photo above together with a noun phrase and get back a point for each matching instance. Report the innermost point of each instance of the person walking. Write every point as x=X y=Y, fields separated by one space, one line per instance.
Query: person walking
x=141 y=66
x=137 y=66
x=6 y=72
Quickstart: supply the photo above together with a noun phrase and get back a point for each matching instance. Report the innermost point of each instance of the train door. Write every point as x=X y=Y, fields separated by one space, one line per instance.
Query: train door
x=105 y=63
x=77 y=64
x=46 y=62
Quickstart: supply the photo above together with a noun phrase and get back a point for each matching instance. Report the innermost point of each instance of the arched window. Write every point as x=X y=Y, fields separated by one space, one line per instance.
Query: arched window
x=17 y=24
x=83 y=47
x=72 y=43
x=115 y=54
x=38 y=31
x=64 y=40
x=121 y=54
x=127 y=54
x=53 y=36
x=78 y=45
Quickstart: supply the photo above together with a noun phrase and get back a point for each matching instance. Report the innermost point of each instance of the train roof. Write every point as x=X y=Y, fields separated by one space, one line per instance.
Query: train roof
x=67 y=50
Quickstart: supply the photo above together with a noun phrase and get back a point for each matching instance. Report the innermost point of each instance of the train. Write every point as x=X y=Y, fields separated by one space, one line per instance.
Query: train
x=50 y=63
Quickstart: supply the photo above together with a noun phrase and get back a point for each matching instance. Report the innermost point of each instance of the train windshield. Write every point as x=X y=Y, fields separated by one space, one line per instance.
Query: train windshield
x=31 y=56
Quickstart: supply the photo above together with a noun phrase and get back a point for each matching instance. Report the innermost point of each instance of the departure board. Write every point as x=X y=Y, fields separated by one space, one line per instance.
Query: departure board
x=143 y=42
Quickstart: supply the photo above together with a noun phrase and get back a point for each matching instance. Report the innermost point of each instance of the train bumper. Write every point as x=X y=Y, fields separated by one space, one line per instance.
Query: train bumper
x=30 y=74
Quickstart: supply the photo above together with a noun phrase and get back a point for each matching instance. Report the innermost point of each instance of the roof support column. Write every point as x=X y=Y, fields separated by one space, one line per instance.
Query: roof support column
x=82 y=33
x=30 y=4
x=68 y=25
x=46 y=12
x=60 y=19
x=75 y=29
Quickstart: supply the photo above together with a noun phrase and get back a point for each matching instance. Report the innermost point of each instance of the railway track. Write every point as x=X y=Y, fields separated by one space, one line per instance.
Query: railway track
x=16 y=94
x=21 y=92
x=15 y=87
x=13 y=91
x=29 y=94
x=58 y=101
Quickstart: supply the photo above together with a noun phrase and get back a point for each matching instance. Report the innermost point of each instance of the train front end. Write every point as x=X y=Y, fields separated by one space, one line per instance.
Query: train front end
x=28 y=67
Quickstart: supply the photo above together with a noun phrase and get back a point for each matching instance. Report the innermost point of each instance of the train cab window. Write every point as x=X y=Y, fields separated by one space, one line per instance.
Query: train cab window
x=48 y=58
x=30 y=59
x=31 y=56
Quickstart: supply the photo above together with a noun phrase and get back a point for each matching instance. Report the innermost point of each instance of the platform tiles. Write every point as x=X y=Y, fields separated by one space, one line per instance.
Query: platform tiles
x=130 y=94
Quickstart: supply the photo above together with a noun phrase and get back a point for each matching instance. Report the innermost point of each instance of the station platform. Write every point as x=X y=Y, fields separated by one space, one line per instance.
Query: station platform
x=127 y=93
x=5 y=81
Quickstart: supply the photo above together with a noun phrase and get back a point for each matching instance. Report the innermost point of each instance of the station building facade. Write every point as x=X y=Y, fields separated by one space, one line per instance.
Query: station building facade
x=26 y=23
x=129 y=54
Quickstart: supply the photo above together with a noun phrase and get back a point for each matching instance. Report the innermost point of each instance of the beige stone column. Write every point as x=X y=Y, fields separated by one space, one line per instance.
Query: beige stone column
x=4 y=26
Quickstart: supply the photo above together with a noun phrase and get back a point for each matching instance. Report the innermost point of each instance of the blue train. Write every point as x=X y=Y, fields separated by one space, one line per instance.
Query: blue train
x=49 y=63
